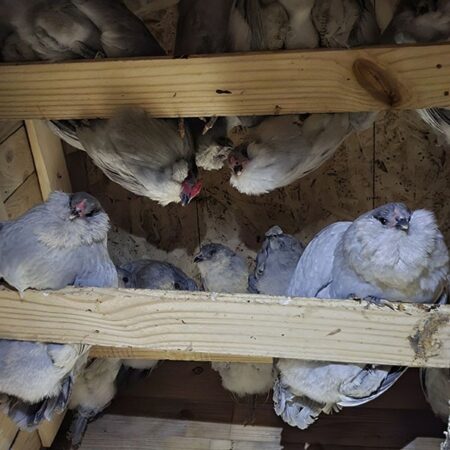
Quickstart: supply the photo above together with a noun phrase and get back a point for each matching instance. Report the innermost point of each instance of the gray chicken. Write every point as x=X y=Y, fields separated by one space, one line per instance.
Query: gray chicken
x=283 y=149
x=58 y=243
x=280 y=150
x=93 y=391
x=144 y=155
x=202 y=26
x=436 y=387
x=423 y=21
x=36 y=379
x=222 y=270
x=388 y=253
x=150 y=274
x=275 y=263
x=71 y=29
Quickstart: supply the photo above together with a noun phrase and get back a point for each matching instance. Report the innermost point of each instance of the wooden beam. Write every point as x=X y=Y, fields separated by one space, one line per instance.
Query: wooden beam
x=245 y=325
x=27 y=441
x=3 y=212
x=48 y=157
x=48 y=430
x=402 y=77
x=424 y=444
x=8 y=431
x=99 y=351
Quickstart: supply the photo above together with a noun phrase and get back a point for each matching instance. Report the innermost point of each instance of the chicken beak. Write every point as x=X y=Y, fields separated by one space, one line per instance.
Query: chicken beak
x=74 y=214
x=198 y=258
x=238 y=169
x=402 y=224
x=185 y=199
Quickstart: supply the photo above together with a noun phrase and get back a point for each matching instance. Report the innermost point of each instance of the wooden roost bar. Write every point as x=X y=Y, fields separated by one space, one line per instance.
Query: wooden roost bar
x=217 y=327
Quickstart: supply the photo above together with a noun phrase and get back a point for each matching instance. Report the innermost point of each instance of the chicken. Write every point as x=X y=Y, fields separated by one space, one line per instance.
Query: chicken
x=144 y=155
x=275 y=263
x=389 y=253
x=58 y=243
x=222 y=270
x=423 y=21
x=93 y=391
x=71 y=29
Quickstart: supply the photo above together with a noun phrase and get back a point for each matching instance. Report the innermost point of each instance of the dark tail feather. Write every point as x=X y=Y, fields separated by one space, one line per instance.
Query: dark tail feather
x=28 y=416
x=77 y=429
x=67 y=131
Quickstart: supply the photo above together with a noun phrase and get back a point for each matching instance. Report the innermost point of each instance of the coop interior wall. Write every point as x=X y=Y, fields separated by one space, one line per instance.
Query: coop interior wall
x=399 y=159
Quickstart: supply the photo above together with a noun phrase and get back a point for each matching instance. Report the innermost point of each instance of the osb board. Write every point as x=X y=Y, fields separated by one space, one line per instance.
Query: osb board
x=16 y=162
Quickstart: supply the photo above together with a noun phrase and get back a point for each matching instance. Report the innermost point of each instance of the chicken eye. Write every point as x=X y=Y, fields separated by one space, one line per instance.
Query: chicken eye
x=212 y=252
x=382 y=220
x=92 y=213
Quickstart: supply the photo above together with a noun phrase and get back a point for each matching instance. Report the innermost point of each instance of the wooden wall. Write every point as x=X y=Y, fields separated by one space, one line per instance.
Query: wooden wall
x=19 y=191
x=19 y=186
x=399 y=159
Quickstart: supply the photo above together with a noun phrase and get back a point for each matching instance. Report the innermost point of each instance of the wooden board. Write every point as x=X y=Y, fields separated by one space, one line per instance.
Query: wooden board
x=8 y=431
x=112 y=431
x=244 y=324
x=16 y=163
x=424 y=444
x=27 y=441
x=48 y=430
x=48 y=158
x=3 y=213
x=371 y=79
x=26 y=196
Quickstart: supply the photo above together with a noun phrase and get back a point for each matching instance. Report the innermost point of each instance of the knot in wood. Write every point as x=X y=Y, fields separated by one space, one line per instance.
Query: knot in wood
x=378 y=82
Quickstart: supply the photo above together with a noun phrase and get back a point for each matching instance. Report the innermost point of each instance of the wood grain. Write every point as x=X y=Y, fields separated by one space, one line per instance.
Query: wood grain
x=8 y=431
x=27 y=441
x=16 y=163
x=245 y=325
x=48 y=430
x=424 y=444
x=48 y=158
x=138 y=353
x=258 y=83
x=113 y=431
x=26 y=196
x=3 y=213
x=8 y=127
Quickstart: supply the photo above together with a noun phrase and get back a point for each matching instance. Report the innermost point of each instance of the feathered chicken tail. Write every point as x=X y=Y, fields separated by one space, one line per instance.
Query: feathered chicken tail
x=296 y=411
x=437 y=118
x=28 y=416
x=77 y=429
x=67 y=131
